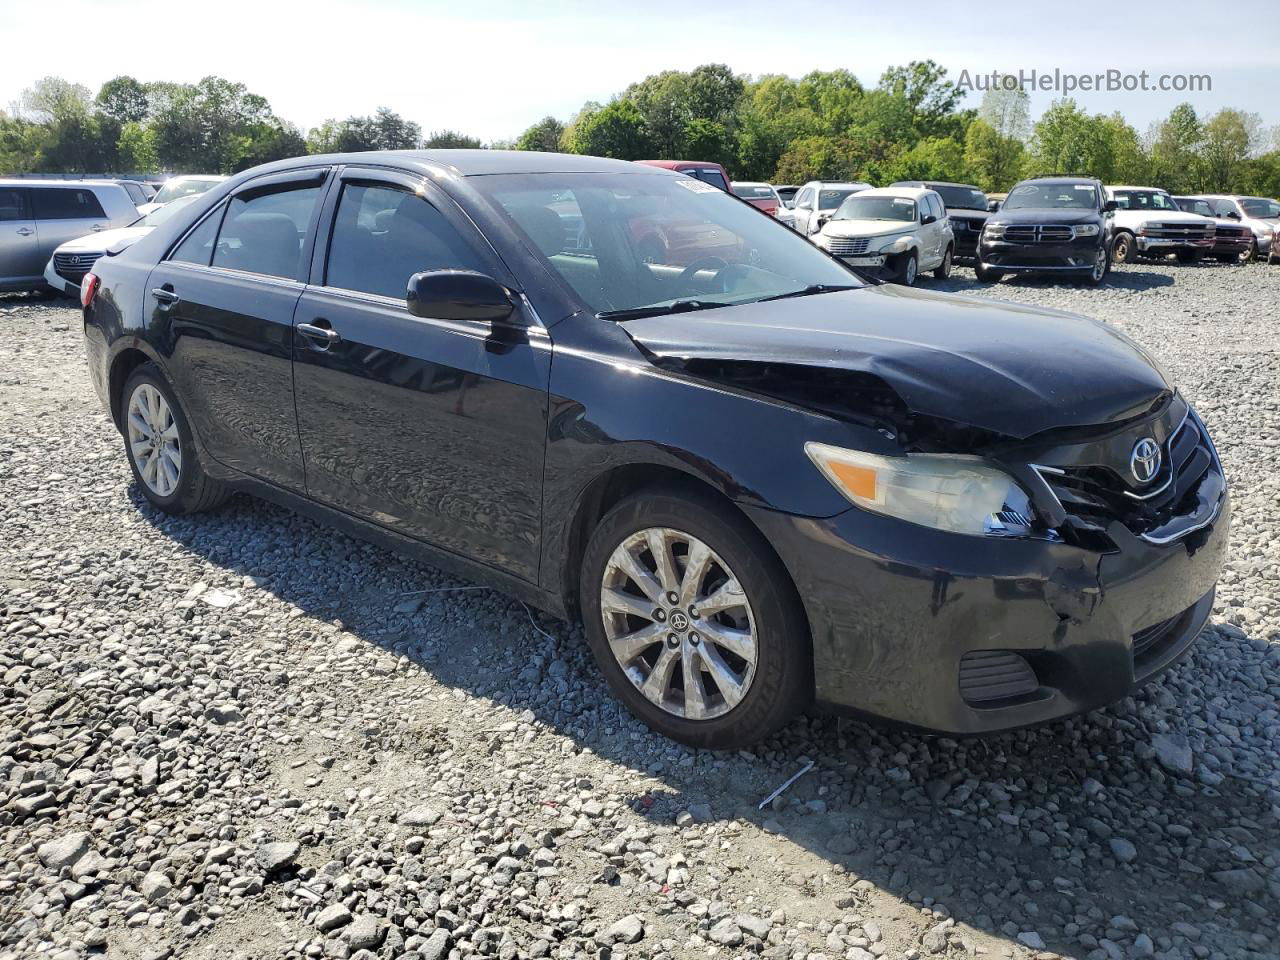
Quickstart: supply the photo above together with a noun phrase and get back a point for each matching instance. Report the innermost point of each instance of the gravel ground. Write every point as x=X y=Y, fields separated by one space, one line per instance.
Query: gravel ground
x=245 y=735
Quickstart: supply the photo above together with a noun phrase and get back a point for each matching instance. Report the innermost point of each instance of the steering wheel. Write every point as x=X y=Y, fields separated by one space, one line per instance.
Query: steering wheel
x=702 y=263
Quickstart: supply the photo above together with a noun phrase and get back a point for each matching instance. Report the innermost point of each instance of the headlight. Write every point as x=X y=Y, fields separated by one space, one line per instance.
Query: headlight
x=1087 y=230
x=994 y=229
x=1142 y=229
x=959 y=494
x=822 y=240
x=894 y=244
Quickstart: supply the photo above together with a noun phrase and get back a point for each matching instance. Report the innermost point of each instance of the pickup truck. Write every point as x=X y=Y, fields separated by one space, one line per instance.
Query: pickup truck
x=1148 y=223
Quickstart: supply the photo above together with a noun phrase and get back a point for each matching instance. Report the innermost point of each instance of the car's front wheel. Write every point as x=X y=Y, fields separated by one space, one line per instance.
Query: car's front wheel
x=694 y=620
x=157 y=441
x=910 y=269
x=1124 y=249
x=1101 y=266
x=986 y=274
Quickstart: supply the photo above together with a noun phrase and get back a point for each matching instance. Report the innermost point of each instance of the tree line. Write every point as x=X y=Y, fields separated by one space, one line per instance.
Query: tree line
x=825 y=125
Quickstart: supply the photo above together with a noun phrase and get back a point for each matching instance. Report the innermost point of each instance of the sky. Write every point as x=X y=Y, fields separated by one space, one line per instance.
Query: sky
x=490 y=68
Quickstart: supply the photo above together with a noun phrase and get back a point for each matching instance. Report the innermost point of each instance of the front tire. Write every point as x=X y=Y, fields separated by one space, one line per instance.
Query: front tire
x=159 y=446
x=1124 y=250
x=694 y=621
x=986 y=274
x=910 y=270
x=1101 y=266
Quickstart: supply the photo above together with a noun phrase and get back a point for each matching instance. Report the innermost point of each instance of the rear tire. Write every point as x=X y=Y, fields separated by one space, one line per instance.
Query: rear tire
x=944 y=268
x=773 y=689
x=160 y=449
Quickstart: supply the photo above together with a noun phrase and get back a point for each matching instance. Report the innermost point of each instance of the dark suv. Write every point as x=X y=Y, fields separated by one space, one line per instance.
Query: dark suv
x=1049 y=225
x=759 y=481
x=966 y=208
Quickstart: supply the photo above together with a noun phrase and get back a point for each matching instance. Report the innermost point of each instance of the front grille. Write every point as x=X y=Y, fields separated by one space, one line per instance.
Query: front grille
x=847 y=246
x=987 y=675
x=1179 y=231
x=1038 y=233
x=961 y=224
x=73 y=266
x=1094 y=496
x=1232 y=233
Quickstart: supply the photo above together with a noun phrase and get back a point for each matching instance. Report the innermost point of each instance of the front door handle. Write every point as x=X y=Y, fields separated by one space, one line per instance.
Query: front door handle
x=322 y=338
x=25 y=231
x=98 y=227
x=166 y=297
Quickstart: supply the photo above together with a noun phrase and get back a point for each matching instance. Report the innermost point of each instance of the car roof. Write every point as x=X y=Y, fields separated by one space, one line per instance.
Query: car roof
x=860 y=184
x=932 y=183
x=1060 y=180
x=462 y=163
x=674 y=164
x=1127 y=187
x=24 y=182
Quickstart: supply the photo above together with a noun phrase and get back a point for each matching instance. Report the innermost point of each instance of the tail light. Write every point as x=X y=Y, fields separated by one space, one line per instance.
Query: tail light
x=88 y=288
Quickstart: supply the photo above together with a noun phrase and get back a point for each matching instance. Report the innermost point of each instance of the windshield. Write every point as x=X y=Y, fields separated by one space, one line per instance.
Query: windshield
x=1259 y=207
x=966 y=198
x=624 y=242
x=1188 y=205
x=832 y=197
x=753 y=191
x=182 y=187
x=159 y=216
x=859 y=207
x=1040 y=196
x=1143 y=200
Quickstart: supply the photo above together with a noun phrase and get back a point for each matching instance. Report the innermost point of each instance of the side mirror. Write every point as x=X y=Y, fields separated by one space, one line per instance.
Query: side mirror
x=1233 y=215
x=927 y=219
x=458 y=295
x=1110 y=205
x=993 y=206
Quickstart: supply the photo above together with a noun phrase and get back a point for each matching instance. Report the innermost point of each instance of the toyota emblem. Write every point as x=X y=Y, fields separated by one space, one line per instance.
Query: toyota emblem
x=1144 y=462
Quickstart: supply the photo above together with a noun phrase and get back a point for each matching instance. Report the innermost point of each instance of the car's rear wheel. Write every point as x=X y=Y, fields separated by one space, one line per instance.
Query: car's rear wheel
x=694 y=620
x=943 y=270
x=158 y=443
x=910 y=270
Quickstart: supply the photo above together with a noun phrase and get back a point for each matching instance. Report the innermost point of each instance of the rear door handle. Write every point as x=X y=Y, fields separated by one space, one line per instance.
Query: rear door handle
x=98 y=227
x=166 y=297
x=322 y=337
x=25 y=231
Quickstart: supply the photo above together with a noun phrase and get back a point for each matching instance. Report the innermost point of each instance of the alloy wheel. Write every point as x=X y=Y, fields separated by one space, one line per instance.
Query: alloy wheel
x=154 y=443
x=678 y=623
x=1099 y=265
x=909 y=274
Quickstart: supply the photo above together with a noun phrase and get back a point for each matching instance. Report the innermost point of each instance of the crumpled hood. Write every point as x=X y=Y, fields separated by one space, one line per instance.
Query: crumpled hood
x=103 y=240
x=1008 y=368
x=866 y=228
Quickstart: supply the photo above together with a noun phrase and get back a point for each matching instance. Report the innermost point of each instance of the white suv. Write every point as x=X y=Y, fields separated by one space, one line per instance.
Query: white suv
x=894 y=232
x=1149 y=223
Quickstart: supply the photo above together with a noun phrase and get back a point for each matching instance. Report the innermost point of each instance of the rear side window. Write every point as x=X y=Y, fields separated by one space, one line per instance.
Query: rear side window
x=64 y=203
x=382 y=236
x=198 y=246
x=135 y=192
x=264 y=234
x=13 y=204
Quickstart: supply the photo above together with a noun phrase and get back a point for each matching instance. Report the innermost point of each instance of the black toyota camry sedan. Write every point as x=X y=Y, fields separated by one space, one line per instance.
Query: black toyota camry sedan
x=624 y=395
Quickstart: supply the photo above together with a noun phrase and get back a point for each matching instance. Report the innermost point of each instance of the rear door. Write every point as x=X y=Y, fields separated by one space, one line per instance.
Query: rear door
x=805 y=200
x=226 y=295
x=433 y=428
x=65 y=213
x=19 y=243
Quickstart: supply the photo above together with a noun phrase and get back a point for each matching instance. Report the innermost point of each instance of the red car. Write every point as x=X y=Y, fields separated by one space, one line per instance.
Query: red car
x=760 y=195
x=703 y=170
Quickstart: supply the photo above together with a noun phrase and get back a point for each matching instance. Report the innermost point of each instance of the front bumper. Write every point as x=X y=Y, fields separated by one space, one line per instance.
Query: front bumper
x=1076 y=256
x=60 y=283
x=1163 y=245
x=895 y=608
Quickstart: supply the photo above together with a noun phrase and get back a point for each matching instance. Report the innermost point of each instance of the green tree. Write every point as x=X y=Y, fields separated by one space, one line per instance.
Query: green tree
x=124 y=99
x=1067 y=140
x=1130 y=160
x=545 y=135
x=385 y=130
x=1230 y=137
x=208 y=126
x=993 y=161
x=275 y=140
x=825 y=158
x=136 y=149
x=929 y=97
x=450 y=139
x=1175 y=151
x=933 y=158
x=617 y=130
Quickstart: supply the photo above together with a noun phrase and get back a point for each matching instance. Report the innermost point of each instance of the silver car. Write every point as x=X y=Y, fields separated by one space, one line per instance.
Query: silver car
x=36 y=216
x=1259 y=214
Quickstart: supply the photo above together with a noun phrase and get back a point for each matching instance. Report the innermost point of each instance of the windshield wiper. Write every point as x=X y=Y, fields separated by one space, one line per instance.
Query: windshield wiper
x=658 y=310
x=810 y=290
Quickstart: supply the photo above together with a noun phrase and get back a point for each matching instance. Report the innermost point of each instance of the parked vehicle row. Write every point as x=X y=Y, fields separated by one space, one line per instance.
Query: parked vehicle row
x=760 y=481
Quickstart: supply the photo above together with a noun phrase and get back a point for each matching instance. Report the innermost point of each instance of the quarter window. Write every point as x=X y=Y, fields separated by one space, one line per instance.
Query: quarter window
x=61 y=203
x=382 y=236
x=197 y=248
x=264 y=234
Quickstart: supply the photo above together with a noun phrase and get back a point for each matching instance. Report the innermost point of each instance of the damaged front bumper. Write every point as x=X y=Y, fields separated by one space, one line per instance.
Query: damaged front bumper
x=967 y=635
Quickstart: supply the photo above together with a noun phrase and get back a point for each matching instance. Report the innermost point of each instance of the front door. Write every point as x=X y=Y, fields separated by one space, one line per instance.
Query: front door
x=19 y=245
x=433 y=428
x=227 y=294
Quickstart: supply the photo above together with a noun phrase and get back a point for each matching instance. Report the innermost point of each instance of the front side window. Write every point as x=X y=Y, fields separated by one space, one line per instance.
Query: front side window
x=264 y=234
x=64 y=203
x=1191 y=205
x=13 y=204
x=626 y=242
x=1144 y=200
x=383 y=235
